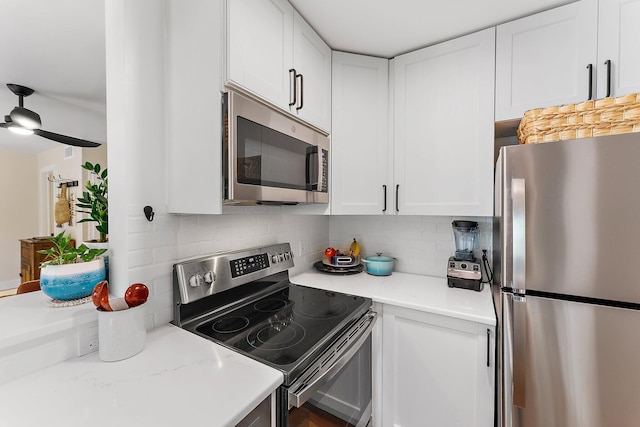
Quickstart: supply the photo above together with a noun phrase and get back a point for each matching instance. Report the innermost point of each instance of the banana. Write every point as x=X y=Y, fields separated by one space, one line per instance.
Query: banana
x=355 y=248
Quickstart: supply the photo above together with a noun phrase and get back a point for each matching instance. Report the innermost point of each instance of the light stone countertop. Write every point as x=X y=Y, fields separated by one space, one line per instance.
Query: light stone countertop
x=179 y=378
x=423 y=293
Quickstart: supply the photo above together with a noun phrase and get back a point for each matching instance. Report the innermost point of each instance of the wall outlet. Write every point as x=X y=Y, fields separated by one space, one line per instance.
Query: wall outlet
x=87 y=339
x=300 y=249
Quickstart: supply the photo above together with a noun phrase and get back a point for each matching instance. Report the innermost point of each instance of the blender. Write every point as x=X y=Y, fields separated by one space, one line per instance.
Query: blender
x=463 y=271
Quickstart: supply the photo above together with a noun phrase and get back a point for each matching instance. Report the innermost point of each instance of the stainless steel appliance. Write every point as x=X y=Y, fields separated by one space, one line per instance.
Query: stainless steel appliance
x=463 y=271
x=270 y=157
x=567 y=288
x=320 y=340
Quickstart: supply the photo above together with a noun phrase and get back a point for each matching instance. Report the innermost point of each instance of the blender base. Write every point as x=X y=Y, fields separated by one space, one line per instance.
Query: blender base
x=456 y=282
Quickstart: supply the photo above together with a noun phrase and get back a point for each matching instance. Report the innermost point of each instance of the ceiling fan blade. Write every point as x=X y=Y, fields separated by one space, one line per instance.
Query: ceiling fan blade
x=69 y=140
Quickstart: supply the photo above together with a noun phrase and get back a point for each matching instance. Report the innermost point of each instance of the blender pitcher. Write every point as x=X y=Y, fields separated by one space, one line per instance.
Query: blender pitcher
x=465 y=234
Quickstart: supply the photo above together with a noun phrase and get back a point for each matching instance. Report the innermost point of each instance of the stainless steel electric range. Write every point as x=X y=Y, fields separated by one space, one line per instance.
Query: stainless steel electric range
x=320 y=340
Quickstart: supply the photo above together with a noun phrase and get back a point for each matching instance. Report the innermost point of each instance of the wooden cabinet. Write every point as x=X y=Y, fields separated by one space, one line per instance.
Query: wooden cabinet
x=618 y=36
x=444 y=128
x=273 y=53
x=584 y=50
x=436 y=370
x=360 y=140
x=30 y=259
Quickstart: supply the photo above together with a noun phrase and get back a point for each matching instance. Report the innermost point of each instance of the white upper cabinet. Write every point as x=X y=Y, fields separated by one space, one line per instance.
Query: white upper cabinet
x=444 y=128
x=619 y=43
x=273 y=53
x=544 y=59
x=360 y=135
x=584 y=50
x=312 y=62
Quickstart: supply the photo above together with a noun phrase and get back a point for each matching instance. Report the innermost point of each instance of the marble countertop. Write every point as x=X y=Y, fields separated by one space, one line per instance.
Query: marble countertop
x=27 y=317
x=178 y=379
x=424 y=293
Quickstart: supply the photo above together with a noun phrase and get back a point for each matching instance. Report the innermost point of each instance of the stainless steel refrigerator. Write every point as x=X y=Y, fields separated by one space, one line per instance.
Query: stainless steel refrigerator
x=567 y=283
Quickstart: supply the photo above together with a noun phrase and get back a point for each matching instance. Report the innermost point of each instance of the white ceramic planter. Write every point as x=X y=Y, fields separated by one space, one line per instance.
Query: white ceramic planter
x=121 y=334
x=71 y=281
x=102 y=245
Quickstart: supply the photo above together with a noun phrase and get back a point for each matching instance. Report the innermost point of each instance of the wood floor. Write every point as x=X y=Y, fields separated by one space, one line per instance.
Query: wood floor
x=314 y=417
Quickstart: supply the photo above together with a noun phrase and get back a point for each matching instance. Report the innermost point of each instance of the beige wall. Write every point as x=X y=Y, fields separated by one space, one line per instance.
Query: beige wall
x=18 y=212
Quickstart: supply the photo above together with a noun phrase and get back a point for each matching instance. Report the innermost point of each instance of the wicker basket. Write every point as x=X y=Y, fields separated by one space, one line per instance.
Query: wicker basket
x=607 y=116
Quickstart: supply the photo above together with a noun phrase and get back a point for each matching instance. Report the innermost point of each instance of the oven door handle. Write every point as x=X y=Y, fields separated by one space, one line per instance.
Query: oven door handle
x=301 y=390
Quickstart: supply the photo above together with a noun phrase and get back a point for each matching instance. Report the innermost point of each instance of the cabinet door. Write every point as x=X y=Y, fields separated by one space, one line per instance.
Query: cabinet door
x=436 y=370
x=360 y=140
x=618 y=37
x=543 y=59
x=444 y=123
x=260 y=48
x=312 y=61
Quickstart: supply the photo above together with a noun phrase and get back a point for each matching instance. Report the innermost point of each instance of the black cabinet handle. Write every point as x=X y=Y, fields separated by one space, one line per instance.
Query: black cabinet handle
x=488 y=347
x=298 y=108
x=590 y=68
x=384 y=189
x=397 y=188
x=295 y=91
x=608 y=64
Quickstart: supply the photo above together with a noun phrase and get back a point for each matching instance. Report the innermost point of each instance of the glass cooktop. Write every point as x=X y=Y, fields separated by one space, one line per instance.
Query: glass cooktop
x=286 y=326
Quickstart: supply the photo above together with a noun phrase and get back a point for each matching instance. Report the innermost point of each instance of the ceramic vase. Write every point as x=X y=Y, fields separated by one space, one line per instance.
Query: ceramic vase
x=71 y=281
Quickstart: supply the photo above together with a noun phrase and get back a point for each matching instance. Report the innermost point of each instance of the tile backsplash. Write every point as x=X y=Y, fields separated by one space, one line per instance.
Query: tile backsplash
x=420 y=244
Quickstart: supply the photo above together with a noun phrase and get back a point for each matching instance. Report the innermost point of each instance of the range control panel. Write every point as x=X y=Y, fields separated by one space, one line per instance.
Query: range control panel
x=250 y=264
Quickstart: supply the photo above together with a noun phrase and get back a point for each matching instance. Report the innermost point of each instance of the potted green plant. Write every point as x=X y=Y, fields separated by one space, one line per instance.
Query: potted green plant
x=95 y=201
x=69 y=273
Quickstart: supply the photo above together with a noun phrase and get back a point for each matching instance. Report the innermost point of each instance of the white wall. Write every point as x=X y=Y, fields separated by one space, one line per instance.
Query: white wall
x=19 y=213
x=421 y=244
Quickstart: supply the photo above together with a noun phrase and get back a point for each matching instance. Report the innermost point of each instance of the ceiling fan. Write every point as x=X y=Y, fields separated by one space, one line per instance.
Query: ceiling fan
x=27 y=122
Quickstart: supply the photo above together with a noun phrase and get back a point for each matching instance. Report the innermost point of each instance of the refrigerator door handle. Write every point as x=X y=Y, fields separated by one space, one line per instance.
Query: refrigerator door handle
x=518 y=205
x=519 y=350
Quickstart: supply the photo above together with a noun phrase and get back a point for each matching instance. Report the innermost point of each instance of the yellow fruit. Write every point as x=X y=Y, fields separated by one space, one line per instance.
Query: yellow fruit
x=355 y=248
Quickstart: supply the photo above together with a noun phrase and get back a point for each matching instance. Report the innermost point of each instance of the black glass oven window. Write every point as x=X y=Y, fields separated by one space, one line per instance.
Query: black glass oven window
x=269 y=158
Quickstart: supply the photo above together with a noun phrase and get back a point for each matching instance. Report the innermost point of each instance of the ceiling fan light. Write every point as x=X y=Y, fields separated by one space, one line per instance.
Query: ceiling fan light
x=20 y=130
x=25 y=118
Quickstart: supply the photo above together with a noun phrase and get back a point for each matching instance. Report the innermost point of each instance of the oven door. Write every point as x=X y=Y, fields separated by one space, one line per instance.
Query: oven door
x=336 y=391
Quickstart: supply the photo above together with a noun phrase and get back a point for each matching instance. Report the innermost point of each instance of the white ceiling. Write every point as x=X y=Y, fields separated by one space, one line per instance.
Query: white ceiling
x=387 y=28
x=55 y=47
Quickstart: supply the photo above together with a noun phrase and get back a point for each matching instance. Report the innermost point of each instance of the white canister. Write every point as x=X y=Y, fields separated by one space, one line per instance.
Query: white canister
x=121 y=334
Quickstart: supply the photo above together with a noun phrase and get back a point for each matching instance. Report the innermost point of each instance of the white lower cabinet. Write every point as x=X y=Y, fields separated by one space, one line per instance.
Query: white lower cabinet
x=436 y=370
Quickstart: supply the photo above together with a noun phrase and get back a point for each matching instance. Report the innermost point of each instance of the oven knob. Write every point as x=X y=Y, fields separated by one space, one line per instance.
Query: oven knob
x=195 y=281
x=274 y=259
x=287 y=255
x=209 y=277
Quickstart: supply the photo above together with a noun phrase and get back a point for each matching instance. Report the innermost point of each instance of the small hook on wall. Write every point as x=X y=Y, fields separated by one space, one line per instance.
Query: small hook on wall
x=149 y=213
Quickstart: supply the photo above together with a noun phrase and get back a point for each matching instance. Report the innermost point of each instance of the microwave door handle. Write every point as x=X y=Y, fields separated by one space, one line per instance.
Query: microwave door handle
x=300 y=391
x=311 y=167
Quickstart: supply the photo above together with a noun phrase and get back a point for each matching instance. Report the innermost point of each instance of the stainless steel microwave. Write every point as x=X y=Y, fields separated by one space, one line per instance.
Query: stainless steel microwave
x=270 y=157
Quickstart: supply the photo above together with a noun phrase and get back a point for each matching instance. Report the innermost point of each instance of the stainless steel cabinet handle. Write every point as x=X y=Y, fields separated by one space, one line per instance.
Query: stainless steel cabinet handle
x=518 y=218
x=519 y=350
x=292 y=79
